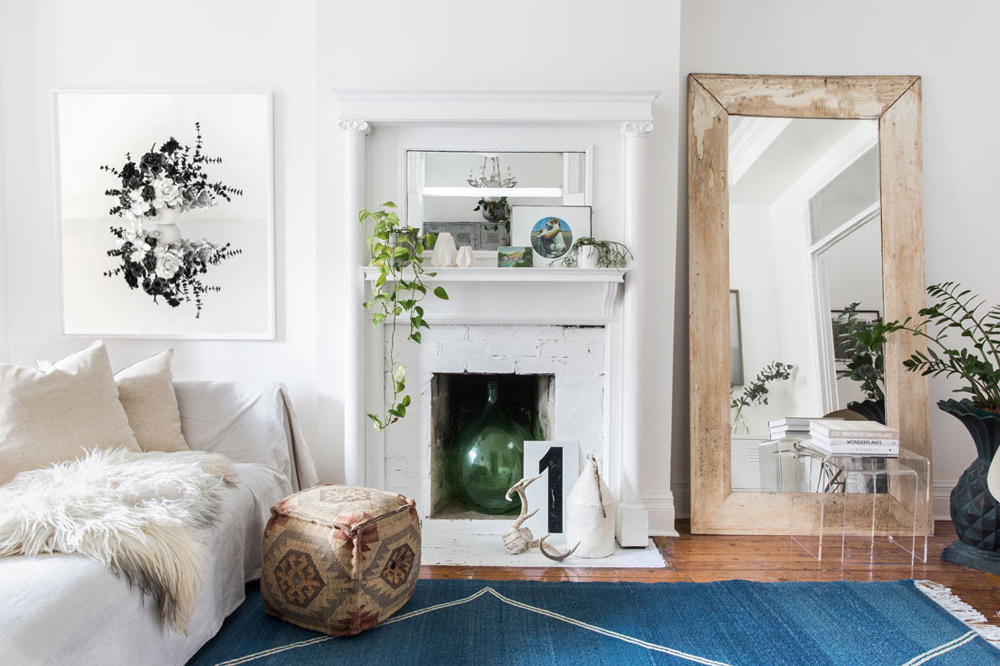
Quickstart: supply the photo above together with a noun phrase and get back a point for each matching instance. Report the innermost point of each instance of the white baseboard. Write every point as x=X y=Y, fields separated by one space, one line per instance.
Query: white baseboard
x=941 y=499
x=682 y=498
x=660 y=507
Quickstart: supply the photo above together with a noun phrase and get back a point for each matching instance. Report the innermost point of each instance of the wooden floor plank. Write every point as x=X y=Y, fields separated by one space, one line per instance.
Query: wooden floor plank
x=702 y=559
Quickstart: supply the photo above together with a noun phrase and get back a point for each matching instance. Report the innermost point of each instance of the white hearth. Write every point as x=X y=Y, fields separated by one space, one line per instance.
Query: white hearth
x=578 y=330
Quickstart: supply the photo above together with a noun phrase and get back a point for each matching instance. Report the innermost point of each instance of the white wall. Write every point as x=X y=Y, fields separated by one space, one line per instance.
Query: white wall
x=188 y=45
x=303 y=50
x=562 y=44
x=4 y=343
x=951 y=49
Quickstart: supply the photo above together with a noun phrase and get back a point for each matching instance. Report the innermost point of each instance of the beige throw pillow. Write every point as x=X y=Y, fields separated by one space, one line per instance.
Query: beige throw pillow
x=146 y=391
x=55 y=414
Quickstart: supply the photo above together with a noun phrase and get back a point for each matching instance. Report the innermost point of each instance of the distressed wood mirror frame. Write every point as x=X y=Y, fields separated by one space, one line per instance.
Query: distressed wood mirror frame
x=895 y=102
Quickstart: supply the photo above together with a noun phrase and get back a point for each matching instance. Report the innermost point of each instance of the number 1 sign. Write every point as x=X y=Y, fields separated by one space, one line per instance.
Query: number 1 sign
x=559 y=464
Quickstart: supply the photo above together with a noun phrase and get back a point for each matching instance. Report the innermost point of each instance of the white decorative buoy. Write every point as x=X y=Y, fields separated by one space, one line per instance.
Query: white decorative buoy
x=444 y=251
x=465 y=257
x=590 y=515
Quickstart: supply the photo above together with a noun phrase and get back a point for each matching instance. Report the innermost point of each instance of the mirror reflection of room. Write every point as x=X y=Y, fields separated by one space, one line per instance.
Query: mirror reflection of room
x=805 y=278
x=469 y=193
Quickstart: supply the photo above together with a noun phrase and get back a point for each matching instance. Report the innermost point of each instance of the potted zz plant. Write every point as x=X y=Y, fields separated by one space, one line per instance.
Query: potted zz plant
x=861 y=345
x=973 y=357
x=397 y=294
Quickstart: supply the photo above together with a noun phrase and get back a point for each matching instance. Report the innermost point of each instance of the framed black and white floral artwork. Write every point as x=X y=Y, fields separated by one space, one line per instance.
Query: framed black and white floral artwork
x=166 y=214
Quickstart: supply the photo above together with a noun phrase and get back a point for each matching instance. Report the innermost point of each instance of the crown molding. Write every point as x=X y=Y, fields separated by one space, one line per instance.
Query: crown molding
x=495 y=106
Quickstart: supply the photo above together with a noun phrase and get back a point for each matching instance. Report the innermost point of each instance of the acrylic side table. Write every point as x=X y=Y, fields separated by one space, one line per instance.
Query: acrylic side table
x=872 y=510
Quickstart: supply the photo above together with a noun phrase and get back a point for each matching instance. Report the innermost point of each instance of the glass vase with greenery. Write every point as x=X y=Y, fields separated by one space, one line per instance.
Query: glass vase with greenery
x=756 y=392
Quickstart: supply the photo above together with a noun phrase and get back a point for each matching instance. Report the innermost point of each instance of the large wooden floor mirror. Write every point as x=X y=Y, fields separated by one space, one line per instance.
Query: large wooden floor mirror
x=805 y=218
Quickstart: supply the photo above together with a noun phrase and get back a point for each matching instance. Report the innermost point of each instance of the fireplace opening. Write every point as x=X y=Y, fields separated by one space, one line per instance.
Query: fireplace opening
x=456 y=401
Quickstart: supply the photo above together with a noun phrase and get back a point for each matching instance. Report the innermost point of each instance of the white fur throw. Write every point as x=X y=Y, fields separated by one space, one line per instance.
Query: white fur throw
x=135 y=513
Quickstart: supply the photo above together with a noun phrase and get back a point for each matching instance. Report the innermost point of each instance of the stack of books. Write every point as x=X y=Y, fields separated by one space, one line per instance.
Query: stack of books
x=792 y=427
x=854 y=438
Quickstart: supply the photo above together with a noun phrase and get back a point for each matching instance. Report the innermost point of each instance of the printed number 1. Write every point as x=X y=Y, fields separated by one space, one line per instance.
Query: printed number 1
x=553 y=461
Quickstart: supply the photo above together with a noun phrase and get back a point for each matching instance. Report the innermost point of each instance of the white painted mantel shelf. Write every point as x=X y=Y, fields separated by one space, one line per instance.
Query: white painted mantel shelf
x=491 y=274
x=487 y=294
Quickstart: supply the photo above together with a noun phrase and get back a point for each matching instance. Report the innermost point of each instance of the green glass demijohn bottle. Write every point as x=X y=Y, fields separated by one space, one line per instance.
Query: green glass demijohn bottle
x=488 y=458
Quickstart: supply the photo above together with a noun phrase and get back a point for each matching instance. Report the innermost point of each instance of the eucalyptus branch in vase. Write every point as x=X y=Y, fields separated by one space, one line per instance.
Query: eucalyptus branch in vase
x=755 y=393
x=397 y=293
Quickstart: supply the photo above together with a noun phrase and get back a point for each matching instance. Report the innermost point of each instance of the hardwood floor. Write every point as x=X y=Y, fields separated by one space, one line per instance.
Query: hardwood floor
x=761 y=558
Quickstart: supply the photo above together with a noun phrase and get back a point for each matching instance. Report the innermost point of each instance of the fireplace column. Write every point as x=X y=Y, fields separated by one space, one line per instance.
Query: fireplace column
x=356 y=145
x=633 y=520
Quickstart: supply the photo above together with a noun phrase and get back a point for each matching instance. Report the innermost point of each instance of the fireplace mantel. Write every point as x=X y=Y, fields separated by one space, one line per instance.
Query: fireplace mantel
x=603 y=297
x=490 y=274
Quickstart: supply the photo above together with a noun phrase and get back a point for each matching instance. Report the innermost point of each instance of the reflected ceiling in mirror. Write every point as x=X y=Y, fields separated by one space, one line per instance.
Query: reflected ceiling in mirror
x=805 y=258
x=444 y=188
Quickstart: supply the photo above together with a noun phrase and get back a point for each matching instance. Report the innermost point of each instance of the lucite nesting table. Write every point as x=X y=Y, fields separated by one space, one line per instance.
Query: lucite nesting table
x=863 y=510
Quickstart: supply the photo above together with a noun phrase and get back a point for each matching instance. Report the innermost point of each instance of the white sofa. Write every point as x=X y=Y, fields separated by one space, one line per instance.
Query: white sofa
x=68 y=609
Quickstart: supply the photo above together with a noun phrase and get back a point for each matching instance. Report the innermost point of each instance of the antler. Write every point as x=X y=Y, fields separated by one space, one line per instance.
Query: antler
x=556 y=557
x=519 y=488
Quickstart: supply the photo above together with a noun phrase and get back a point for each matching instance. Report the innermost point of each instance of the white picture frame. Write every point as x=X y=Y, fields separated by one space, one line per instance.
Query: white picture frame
x=529 y=224
x=96 y=128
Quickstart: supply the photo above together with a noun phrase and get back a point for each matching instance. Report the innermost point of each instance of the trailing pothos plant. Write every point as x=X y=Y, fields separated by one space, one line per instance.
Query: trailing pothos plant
x=755 y=393
x=974 y=357
x=397 y=252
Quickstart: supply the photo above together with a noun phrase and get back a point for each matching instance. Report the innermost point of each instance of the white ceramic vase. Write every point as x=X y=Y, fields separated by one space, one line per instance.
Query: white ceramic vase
x=444 y=251
x=166 y=225
x=586 y=257
x=590 y=515
x=465 y=257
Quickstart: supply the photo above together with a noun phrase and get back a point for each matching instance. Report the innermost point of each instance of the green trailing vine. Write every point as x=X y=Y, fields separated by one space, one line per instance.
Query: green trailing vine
x=977 y=361
x=755 y=393
x=610 y=254
x=398 y=253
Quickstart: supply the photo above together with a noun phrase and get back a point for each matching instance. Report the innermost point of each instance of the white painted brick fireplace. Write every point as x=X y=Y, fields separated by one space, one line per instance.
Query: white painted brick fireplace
x=573 y=356
x=582 y=327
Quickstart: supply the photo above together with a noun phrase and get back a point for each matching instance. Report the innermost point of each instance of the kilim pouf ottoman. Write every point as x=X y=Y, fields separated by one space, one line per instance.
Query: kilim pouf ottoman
x=340 y=559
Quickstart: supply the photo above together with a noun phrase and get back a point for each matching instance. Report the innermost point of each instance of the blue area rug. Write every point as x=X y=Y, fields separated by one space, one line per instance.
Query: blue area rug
x=533 y=623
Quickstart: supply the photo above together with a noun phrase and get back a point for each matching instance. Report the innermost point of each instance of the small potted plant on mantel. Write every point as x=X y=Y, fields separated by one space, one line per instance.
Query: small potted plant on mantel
x=589 y=252
x=397 y=251
x=973 y=357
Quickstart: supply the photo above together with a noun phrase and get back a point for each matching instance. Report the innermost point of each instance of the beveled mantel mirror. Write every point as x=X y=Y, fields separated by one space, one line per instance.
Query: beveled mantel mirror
x=760 y=144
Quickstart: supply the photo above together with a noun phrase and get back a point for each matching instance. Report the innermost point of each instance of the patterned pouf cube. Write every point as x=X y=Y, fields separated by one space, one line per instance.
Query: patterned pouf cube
x=340 y=559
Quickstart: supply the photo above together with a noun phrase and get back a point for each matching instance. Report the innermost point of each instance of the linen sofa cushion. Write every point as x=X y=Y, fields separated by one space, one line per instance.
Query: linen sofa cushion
x=146 y=391
x=55 y=414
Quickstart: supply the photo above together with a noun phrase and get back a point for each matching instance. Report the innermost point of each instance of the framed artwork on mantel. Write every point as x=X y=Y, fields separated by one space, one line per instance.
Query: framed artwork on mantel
x=550 y=231
x=166 y=214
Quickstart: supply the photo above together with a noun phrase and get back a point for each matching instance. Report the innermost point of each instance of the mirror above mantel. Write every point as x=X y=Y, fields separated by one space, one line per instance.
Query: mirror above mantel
x=804 y=219
x=445 y=188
